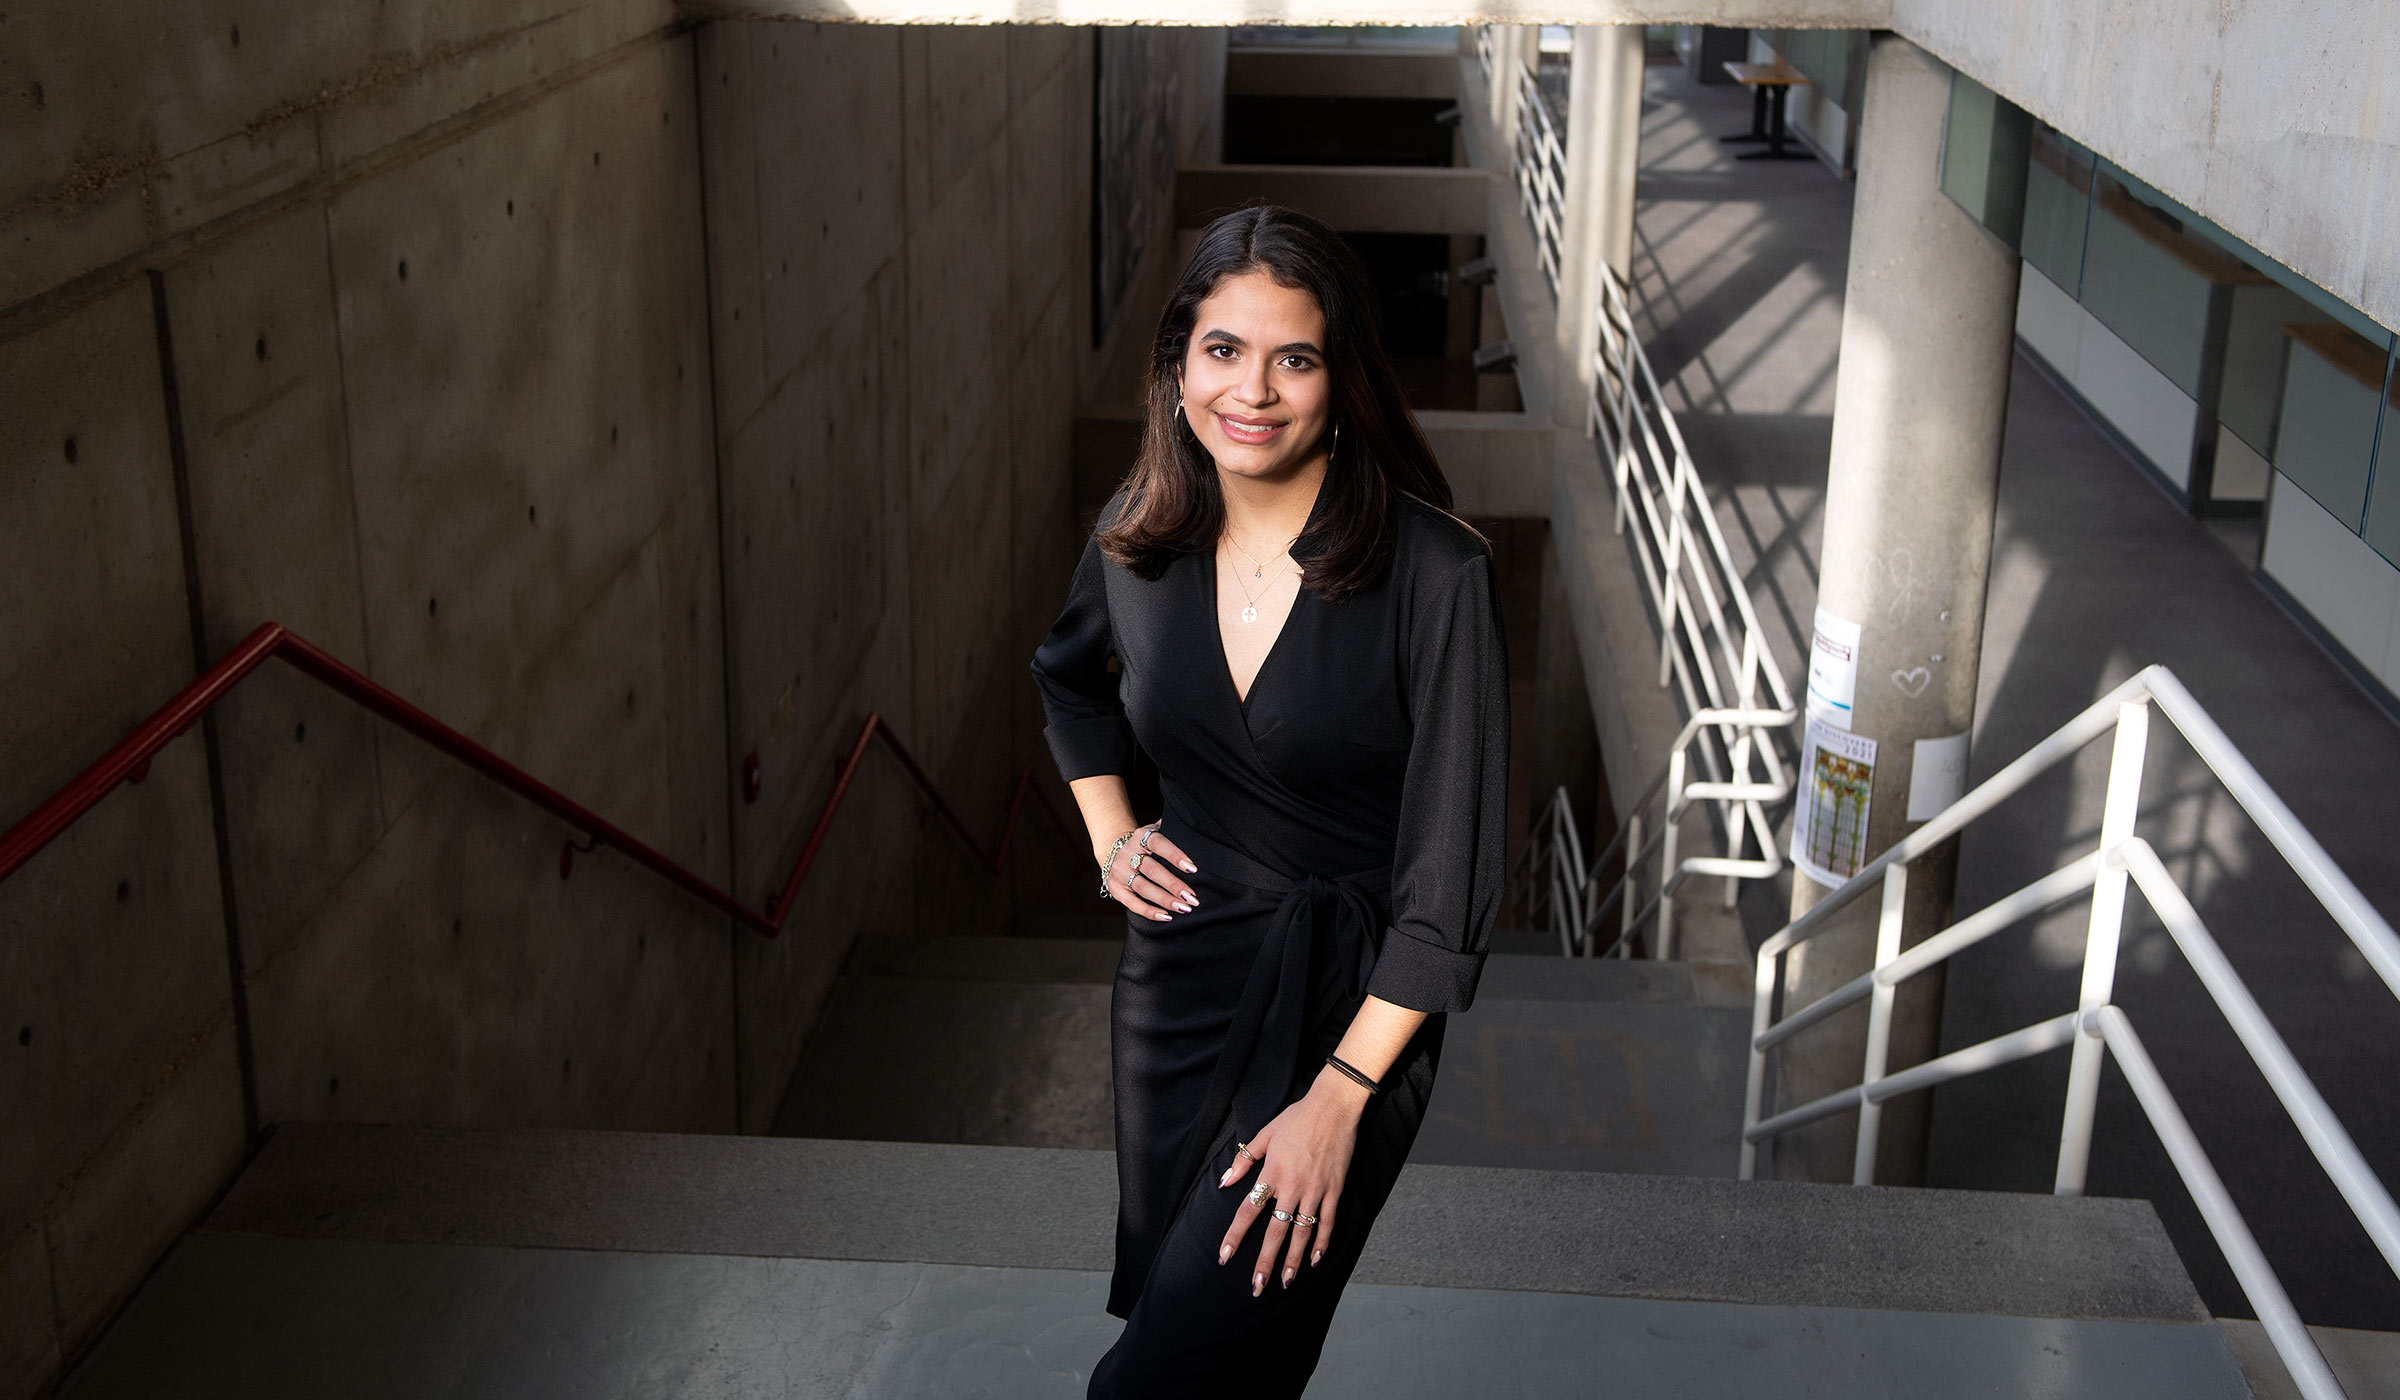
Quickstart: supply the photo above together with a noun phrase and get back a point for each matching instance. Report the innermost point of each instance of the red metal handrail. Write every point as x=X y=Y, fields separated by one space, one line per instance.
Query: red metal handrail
x=129 y=761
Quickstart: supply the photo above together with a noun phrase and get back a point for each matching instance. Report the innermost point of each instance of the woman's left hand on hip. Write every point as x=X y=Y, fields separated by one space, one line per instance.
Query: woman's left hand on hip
x=1301 y=1158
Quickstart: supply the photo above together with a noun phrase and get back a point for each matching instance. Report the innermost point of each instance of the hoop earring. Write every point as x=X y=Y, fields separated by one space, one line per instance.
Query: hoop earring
x=1335 y=445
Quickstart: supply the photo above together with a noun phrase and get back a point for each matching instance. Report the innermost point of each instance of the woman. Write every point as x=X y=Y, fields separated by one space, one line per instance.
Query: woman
x=1307 y=645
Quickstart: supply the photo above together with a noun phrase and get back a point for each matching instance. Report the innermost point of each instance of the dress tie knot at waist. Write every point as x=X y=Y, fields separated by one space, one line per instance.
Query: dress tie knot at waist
x=1309 y=976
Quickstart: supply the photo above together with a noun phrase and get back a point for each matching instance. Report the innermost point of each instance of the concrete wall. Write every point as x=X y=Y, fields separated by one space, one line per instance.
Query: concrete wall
x=1497 y=463
x=547 y=363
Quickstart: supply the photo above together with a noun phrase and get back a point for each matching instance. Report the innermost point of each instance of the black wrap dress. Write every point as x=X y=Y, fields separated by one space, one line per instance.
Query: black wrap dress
x=1348 y=824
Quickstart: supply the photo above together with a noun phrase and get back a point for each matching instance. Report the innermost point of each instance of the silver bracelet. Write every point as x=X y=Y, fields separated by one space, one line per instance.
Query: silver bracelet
x=1115 y=847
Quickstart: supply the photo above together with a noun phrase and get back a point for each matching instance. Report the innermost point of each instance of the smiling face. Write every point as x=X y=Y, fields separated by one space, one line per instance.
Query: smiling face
x=1255 y=387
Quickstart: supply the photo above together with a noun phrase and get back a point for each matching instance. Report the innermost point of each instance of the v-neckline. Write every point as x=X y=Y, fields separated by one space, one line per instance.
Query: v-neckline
x=1241 y=697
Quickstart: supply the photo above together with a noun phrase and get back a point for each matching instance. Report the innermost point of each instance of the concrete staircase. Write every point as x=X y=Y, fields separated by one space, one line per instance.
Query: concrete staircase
x=395 y=1262
x=1588 y=1066
x=939 y=1221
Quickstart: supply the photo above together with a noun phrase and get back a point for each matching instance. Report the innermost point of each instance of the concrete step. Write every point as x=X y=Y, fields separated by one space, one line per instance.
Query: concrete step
x=1594 y=1065
x=395 y=1262
x=1017 y=1063
x=1618 y=1086
x=1506 y=976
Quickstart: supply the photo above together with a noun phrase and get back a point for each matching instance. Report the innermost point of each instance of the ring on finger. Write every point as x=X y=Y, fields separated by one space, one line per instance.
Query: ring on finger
x=1147 y=833
x=1260 y=1193
x=1242 y=1150
x=1305 y=1222
x=1283 y=1215
x=1136 y=868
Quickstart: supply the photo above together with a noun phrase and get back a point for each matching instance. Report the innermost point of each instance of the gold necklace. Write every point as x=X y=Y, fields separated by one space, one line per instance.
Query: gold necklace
x=1258 y=569
x=1250 y=599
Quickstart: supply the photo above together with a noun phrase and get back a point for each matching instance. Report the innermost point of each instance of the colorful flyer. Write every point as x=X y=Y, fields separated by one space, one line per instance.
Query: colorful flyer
x=1829 y=819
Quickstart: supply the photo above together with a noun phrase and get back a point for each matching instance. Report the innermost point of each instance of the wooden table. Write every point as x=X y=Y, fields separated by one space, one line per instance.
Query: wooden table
x=1770 y=84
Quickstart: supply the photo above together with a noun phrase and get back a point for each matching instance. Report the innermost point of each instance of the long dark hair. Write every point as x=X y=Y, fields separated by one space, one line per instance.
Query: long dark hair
x=1173 y=504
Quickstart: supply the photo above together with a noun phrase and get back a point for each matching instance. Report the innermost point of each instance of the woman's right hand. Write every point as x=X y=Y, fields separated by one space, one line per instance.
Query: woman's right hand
x=1143 y=877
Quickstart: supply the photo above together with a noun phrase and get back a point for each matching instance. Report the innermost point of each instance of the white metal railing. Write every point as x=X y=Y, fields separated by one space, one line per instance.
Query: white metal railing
x=2096 y=1027
x=1484 y=43
x=1711 y=649
x=1563 y=891
x=1539 y=162
x=1710 y=645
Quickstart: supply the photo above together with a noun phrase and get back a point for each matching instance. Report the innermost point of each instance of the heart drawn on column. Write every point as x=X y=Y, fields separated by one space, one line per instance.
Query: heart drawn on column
x=1912 y=682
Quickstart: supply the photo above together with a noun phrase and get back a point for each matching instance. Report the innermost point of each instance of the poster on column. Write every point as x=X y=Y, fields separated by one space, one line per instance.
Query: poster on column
x=1837 y=785
x=1832 y=669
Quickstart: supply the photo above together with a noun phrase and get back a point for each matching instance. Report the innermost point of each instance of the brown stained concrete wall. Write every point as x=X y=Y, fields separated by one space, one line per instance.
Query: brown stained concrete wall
x=631 y=396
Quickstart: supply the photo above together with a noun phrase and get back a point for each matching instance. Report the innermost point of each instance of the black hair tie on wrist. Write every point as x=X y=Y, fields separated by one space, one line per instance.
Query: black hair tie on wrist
x=1354 y=1074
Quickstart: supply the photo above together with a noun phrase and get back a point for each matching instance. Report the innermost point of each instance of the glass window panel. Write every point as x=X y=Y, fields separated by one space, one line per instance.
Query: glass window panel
x=2328 y=306
x=2058 y=200
x=2383 y=510
x=1967 y=143
x=2255 y=346
x=2333 y=383
x=2147 y=280
x=1983 y=157
x=1821 y=55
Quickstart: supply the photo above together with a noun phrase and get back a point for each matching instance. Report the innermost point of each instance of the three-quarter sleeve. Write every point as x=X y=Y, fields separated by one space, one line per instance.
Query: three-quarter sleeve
x=1450 y=857
x=1085 y=721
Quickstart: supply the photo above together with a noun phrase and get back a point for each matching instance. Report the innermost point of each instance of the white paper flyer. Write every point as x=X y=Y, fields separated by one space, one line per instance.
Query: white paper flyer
x=1833 y=669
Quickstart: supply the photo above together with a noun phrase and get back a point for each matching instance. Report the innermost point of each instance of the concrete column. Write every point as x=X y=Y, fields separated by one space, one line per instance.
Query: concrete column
x=1928 y=335
x=1513 y=47
x=1604 y=127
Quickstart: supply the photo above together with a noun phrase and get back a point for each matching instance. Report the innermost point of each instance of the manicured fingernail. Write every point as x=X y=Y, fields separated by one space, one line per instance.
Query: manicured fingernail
x=1224 y=1252
x=1288 y=1275
x=1190 y=869
x=1190 y=898
x=1225 y=1180
x=1313 y=1258
x=1258 y=1284
x=1183 y=909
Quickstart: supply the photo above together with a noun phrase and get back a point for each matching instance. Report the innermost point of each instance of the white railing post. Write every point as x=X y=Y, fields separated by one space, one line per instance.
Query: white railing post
x=1738 y=769
x=1667 y=841
x=1624 y=398
x=2118 y=810
x=1879 y=1024
x=1754 y=1089
x=1671 y=569
x=1633 y=885
x=2276 y=1315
